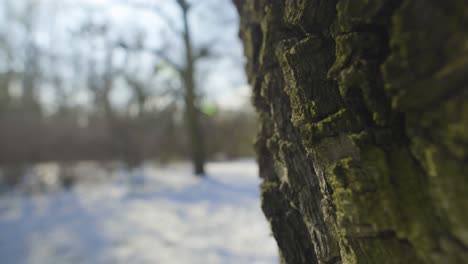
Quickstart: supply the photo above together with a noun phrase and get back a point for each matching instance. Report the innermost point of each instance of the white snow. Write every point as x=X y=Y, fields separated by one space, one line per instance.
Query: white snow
x=156 y=215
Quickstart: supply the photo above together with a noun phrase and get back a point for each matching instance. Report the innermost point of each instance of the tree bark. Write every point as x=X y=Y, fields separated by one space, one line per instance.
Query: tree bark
x=363 y=109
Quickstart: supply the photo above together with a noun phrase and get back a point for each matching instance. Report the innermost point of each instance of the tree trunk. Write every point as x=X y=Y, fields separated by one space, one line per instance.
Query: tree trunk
x=192 y=115
x=363 y=137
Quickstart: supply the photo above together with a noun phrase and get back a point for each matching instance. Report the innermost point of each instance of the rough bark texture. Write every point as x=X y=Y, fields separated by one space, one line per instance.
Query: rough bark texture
x=363 y=106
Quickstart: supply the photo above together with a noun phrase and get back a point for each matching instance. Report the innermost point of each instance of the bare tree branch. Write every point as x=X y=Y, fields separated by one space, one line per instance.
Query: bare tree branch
x=158 y=53
x=207 y=50
x=170 y=23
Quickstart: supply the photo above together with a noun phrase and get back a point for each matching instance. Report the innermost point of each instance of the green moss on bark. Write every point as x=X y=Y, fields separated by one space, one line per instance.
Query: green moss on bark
x=364 y=127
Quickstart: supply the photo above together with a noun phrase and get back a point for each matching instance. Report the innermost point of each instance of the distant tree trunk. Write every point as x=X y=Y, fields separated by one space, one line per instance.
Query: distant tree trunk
x=363 y=140
x=192 y=115
x=5 y=97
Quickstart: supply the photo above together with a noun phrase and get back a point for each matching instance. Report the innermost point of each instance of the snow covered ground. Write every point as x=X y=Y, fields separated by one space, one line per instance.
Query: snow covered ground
x=156 y=215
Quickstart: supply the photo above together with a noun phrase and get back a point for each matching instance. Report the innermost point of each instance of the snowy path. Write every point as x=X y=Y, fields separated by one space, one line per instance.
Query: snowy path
x=161 y=216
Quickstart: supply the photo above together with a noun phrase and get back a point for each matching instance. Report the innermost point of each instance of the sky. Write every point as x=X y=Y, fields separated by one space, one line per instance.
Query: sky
x=221 y=80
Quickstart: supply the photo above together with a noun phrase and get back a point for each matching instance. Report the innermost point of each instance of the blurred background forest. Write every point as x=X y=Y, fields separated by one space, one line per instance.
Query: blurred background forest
x=126 y=135
x=106 y=81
